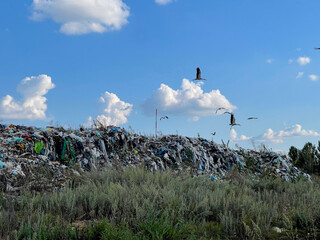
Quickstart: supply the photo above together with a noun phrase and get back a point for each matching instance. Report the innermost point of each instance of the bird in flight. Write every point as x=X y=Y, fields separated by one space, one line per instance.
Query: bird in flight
x=220 y=108
x=250 y=118
x=214 y=133
x=164 y=117
x=317 y=48
x=232 y=120
x=198 y=76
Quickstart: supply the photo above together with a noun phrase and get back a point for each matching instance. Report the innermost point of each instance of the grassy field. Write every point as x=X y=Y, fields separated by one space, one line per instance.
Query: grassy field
x=137 y=204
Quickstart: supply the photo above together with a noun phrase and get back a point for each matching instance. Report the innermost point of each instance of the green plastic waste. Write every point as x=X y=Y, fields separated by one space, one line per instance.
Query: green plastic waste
x=70 y=148
x=38 y=147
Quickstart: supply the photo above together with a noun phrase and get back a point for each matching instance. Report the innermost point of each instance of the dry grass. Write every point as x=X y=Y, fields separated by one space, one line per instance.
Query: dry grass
x=137 y=204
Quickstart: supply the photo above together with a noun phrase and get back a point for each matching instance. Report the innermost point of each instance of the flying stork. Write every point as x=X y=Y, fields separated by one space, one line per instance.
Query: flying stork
x=198 y=76
x=232 y=120
x=164 y=117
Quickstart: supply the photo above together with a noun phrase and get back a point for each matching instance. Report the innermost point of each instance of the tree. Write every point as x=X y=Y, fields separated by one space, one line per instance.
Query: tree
x=294 y=155
x=307 y=158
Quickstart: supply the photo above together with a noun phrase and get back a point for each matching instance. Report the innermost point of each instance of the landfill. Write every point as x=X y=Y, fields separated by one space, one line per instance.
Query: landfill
x=46 y=158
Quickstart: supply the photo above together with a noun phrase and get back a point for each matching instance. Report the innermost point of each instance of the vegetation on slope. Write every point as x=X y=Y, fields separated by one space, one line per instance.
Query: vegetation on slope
x=138 y=204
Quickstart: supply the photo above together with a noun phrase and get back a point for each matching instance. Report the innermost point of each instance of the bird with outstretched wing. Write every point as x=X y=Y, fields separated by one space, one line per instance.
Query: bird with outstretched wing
x=232 y=119
x=220 y=108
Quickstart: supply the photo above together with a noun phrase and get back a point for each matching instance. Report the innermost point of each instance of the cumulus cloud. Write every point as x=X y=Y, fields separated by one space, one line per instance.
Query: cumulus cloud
x=163 y=2
x=278 y=137
x=270 y=136
x=303 y=60
x=299 y=75
x=313 y=77
x=115 y=112
x=33 y=104
x=82 y=16
x=190 y=101
x=234 y=136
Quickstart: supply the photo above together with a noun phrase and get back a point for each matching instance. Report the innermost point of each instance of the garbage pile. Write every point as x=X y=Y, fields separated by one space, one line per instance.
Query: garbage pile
x=45 y=158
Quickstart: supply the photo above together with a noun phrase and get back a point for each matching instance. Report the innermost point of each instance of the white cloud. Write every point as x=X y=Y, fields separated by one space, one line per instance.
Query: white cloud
x=303 y=60
x=82 y=16
x=269 y=60
x=190 y=101
x=163 y=2
x=313 y=77
x=115 y=112
x=278 y=137
x=33 y=104
x=234 y=136
x=270 y=136
x=299 y=75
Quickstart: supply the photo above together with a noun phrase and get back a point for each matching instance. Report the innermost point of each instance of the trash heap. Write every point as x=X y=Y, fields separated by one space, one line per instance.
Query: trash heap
x=45 y=158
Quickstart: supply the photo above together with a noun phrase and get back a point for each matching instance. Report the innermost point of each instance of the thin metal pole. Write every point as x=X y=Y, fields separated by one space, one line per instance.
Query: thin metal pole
x=156 y=121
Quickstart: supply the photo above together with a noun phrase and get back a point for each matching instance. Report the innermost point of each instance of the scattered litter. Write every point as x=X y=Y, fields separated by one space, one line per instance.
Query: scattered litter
x=45 y=158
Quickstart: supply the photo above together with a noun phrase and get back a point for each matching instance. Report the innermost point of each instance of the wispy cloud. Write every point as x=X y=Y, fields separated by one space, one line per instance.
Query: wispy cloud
x=189 y=101
x=299 y=75
x=313 y=77
x=82 y=16
x=33 y=104
x=163 y=2
x=115 y=110
x=194 y=119
x=303 y=60
x=269 y=60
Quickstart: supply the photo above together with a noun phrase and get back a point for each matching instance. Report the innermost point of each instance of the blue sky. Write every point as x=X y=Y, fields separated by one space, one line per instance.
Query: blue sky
x=63 y=61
